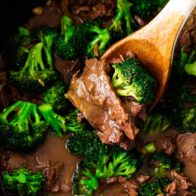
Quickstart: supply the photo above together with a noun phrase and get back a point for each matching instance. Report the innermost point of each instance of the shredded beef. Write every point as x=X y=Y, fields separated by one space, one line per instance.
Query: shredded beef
x=92 y=93
x=92 y=9
x=179 y=185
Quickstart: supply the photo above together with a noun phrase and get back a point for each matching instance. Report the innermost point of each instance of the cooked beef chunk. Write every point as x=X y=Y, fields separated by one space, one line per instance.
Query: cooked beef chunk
x=179 y=185
x=186 y=146
x=50 y=17
x=132 y=185
x=92 y=93
x=92 y=9
x=66 y=68
x=166 y=144
x=187 y=38
x=11 y=161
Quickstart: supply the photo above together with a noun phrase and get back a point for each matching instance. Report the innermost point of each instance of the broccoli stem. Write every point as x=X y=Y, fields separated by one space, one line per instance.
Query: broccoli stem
x=123 y=10
x=66 y=23
x=48 y=43
x=34 y=59
x=35 y=115
x=8 y=110
x=191 y=68
x=56 y=121
x=92 y=184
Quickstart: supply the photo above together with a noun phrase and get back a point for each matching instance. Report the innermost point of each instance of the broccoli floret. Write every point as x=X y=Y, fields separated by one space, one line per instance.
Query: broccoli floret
x=18 y=47
x=189 y=62
x=96 y=38
x=73 y=122
x=78 y=145
x=56 y=121
x=130 y=79
x=66 y=44
x=153 y=187
x=191 y=68
x=109 y=161
x=101 y=161
x=47 y=36
x=155 y=124
x=161 y=162
x=149 y=148
x=121 y=23
x=55 y=97
x=23 y=182
x=180 y=83
x=21 y=127
x=146 y=8
x=119 y=163
x=34 y=75
x=182 y=60
x=84 y=181
x=185 y=119
x=62 y=124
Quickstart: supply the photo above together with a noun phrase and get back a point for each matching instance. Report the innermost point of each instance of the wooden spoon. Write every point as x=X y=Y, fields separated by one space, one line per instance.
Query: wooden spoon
x=154 y=44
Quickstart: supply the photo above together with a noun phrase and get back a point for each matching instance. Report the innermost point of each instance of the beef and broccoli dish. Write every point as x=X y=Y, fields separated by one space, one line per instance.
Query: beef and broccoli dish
x=73 y=124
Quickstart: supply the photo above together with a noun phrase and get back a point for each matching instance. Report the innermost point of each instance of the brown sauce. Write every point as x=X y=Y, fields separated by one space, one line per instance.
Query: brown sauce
x=53 y=149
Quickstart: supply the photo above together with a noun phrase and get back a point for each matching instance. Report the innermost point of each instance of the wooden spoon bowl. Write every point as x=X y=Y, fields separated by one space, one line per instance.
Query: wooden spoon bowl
x=154 y=44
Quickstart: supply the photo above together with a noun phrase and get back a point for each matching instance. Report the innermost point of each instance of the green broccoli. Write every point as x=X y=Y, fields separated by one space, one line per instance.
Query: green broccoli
x=154 y=187
x=161 y=162
x=146 y=8
x=84 y=181
x=18 y=47
x=182 y=60
x=119 y=163
x=95 y=37
x=155 y=124
x=73 y=122
x=78 y=146
x=180 y=80
x=189 y=62
x=55 y=96
x=21 y=127
x=62 y=124
x=130 y=79
x=185 y=119
x=109 y=160
x=56 y=121
x=181 y=85
x=66 y=44
x=34 y=75
x=149 y=148
x=47 y=36
x=122 y=21
x=191 y=68
x=23 y=182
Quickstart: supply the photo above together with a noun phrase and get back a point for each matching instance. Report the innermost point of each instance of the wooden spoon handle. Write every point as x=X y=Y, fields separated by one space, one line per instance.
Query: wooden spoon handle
x=164 y=29
x=183 y=7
